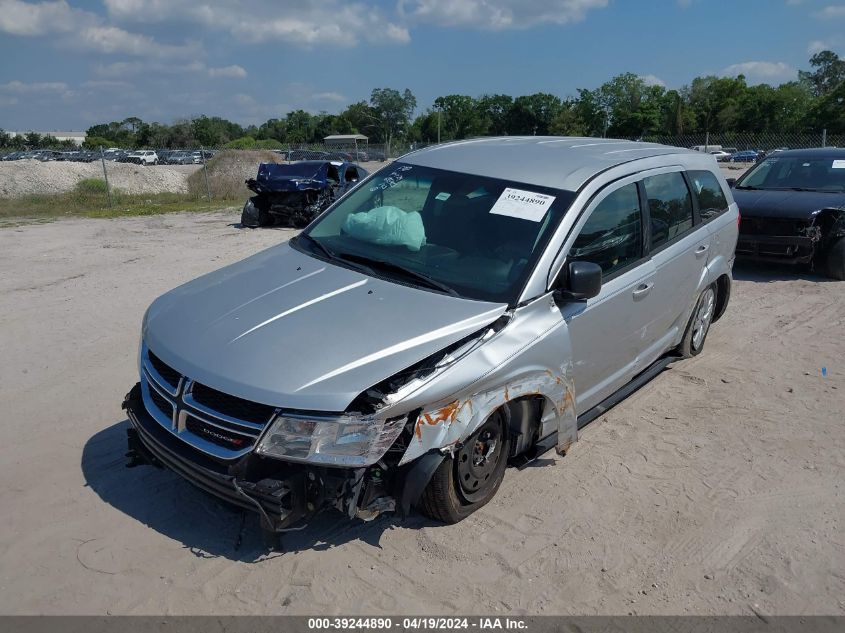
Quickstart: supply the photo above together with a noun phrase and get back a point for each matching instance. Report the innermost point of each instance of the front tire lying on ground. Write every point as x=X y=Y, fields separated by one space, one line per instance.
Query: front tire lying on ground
x=253 y=216
x=468 y=480
x=699 y=324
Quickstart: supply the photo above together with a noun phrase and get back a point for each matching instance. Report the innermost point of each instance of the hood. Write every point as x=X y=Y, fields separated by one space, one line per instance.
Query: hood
x=285 y=329
x=296 y=177
x=798 y=205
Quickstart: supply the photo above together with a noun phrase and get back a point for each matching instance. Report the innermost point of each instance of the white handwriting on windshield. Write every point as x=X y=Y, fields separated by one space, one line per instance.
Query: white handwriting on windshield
x=392 y=179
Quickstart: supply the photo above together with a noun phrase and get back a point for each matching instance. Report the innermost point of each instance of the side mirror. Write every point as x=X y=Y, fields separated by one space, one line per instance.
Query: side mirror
x=731 y=182
x=582 y=282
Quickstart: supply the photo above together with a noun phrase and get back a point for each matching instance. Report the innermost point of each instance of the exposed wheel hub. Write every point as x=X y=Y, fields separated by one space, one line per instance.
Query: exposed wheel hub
x=477 y=460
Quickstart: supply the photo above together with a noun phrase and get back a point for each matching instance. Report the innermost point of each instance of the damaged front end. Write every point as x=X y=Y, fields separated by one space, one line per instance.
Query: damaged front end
x=790 y=241
x=377 y=456
x=283 y=493
x=293 y=194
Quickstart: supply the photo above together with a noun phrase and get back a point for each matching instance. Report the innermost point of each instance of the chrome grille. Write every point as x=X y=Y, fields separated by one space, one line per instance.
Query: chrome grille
x=212 y=421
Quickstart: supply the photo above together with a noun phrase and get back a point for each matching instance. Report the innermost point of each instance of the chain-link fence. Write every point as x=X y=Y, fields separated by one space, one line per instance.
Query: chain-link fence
x=223 y=178
x=744 y=141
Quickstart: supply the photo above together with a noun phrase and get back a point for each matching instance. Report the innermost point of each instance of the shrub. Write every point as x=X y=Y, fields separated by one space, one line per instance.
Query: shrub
x=91 y=186
x=227 y=172
x=96 y=142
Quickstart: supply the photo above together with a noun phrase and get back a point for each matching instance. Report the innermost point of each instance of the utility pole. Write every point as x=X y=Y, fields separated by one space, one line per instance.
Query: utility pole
x=438 y=126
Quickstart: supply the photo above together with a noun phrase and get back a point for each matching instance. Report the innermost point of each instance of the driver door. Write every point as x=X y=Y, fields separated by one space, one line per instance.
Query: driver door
x=610 y=331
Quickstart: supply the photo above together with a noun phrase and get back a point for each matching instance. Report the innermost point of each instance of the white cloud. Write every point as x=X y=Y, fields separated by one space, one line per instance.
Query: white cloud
x=81 y=29
x=312 y=22
x=8 y=101
x=653 y=80
x=831 y=12
x=20 y=87
x=41 y=18
x=760 y=72
x=164 y=67
x=498 y=14
x=233 y=71
x=830 y=44
x=329 y=96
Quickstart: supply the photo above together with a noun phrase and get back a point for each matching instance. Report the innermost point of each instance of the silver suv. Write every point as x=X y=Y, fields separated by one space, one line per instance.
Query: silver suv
x=469 y=306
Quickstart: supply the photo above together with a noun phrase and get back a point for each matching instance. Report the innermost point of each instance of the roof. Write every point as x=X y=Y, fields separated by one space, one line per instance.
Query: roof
x=551 y=161
x=815 y=152
x=345 y=137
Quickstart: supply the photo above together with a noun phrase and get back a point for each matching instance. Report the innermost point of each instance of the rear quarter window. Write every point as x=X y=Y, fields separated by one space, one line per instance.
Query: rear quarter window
x=712 y=201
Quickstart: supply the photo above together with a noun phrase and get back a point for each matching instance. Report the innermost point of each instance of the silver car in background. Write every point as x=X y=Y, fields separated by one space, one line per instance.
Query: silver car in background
x=469 y=306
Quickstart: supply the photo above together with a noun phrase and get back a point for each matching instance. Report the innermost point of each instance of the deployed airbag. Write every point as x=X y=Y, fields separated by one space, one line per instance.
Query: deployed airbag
x=390 y=226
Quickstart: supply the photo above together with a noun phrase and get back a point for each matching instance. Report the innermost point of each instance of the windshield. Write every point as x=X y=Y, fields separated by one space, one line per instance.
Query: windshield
x=796 y=172
x=475 y=237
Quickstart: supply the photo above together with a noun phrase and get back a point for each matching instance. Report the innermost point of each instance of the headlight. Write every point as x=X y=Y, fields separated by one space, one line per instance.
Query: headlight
x=345 y=440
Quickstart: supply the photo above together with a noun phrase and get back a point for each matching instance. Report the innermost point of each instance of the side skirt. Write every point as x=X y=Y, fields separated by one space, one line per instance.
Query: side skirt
x=546 y=444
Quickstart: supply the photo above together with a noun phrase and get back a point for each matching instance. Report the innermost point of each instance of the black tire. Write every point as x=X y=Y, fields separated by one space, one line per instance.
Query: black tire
x=468 y=480
x=700 y=322
x=253 y=215
x=835 y=260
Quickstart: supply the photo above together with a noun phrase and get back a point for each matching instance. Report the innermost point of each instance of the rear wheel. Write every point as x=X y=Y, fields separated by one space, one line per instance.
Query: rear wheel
x=468 y=480
x=835 y=260
x=699 y=325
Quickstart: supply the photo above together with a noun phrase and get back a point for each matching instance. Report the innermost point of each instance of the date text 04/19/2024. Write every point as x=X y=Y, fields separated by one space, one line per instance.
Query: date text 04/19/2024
x=418 y=623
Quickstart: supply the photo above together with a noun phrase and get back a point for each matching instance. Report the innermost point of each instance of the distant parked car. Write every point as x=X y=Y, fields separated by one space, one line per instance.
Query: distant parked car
x=720 y=155
x=296 y=193
x=745 y=156
x=144 y=157
x=307 y=154
x=793 y=210
x=181 y=158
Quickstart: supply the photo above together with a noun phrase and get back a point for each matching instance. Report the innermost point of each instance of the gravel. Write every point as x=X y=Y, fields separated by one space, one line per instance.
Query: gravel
x=26 y=177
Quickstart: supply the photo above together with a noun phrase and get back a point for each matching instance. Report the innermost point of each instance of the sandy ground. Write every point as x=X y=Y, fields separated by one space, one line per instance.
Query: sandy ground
x=715 y=489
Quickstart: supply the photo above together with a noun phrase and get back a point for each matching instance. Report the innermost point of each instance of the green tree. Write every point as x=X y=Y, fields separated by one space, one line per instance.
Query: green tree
x=460 y=117
x=533 y=114
x=828 y=73
x=393 y=110
x=494 y=109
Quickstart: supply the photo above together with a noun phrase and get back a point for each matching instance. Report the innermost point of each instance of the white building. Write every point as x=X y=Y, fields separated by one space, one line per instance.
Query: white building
x=76 y=137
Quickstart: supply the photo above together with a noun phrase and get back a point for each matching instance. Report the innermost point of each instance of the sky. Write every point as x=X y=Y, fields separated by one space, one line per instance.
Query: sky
x=68 y=64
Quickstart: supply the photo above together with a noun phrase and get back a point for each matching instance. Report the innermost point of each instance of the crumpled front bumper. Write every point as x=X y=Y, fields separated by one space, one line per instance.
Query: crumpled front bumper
x=787 y=249
x=280 y=501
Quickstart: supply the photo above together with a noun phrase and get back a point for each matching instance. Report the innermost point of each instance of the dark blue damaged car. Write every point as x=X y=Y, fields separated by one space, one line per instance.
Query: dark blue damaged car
x=294 y=194
x=793 y=210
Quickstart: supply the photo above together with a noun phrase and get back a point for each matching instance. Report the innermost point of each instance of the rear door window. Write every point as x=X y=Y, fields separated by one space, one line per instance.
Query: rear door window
x=669 y=205
x=711 y=198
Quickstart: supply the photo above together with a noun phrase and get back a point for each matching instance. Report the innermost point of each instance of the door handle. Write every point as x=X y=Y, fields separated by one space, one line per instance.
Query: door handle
x=643 y=289
x=702 y=249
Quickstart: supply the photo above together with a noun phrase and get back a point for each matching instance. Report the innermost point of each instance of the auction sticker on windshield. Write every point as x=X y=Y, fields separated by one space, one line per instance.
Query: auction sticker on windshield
x=525 y=205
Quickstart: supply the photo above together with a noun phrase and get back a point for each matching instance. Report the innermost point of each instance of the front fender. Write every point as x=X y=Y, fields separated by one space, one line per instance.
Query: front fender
x=529 y=357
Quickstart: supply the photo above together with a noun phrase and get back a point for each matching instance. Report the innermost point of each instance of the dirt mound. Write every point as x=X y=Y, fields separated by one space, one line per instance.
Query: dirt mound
x=26 y=177
x=227 y=172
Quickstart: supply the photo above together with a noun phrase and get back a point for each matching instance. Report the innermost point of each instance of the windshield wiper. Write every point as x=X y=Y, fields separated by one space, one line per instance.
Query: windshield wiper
x=398 y=268
x=746 y=187
x=320 y=246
